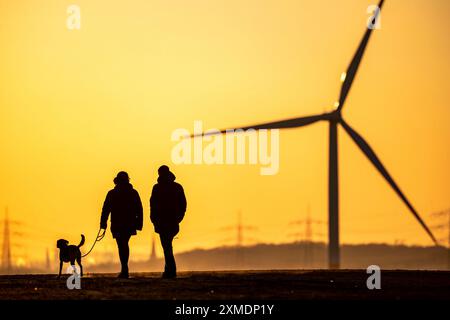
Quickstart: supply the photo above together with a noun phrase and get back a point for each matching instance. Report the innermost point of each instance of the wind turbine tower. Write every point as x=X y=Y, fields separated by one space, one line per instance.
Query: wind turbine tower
x=335 y=119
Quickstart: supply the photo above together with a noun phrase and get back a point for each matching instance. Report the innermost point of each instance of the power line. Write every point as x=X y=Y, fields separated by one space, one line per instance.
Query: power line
x=240 y=228
x=307 y=236
x=441 y=227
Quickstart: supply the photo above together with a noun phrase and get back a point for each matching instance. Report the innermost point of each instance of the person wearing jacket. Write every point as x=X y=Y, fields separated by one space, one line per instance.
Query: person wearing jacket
x=124 y=205
x=167 y=209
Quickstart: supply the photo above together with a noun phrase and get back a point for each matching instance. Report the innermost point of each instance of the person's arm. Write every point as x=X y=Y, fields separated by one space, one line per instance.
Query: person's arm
x=139 y=212
x=106 y=210
x=182 y=203
x=153 y=205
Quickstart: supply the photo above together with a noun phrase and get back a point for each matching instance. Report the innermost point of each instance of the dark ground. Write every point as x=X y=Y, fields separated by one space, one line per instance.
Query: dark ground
x=284 y=285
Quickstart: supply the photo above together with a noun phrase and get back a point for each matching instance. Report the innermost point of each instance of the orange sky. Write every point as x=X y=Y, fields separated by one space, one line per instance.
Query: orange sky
x=77 y=106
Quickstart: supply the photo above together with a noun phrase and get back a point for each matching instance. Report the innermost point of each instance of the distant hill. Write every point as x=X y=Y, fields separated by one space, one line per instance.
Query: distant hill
x=314 y=255
x=300 y=255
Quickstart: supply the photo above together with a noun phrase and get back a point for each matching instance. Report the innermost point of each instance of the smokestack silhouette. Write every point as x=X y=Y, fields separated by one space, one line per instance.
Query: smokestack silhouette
x=239 y=229
x=47 y=260
x=6 y=252
x=153 y=253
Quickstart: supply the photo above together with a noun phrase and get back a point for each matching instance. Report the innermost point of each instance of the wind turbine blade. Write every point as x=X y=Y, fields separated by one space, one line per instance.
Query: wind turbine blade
x=354 y=64
x=370 y=154
x=283 y=124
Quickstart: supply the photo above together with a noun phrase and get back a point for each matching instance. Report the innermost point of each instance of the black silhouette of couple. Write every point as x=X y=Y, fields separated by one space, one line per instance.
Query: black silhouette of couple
x=167 y=208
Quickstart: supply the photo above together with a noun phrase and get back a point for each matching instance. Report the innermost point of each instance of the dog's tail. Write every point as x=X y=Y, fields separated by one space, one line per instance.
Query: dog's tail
x=82 y=241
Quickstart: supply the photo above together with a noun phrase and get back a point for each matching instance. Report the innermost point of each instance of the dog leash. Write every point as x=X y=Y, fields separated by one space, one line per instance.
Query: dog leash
x=100 y=236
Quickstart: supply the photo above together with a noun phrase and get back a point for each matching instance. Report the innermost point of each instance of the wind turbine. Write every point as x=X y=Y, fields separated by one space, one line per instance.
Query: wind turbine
x=335 y=118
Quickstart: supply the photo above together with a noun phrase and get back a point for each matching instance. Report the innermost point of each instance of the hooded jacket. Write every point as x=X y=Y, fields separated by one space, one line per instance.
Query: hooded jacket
x=167 y=204
x=124 y=204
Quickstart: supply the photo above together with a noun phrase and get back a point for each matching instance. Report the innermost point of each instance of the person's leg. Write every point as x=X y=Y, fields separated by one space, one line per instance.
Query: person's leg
x=170 y=269
x=124 y=252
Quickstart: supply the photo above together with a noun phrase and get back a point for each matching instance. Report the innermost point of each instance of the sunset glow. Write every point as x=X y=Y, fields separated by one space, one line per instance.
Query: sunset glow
x=77 y=106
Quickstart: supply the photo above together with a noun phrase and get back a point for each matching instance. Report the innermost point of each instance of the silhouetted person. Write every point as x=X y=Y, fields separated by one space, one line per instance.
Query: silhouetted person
x=124 y=204
x=167 y=208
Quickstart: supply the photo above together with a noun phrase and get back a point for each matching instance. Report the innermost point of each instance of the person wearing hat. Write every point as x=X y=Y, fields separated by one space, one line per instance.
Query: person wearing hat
x=167 y=209
x=125 y=207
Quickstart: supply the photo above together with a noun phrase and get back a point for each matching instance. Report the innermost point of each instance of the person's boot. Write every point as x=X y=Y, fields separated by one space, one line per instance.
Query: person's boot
x=123 y=274
x=169 y=275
